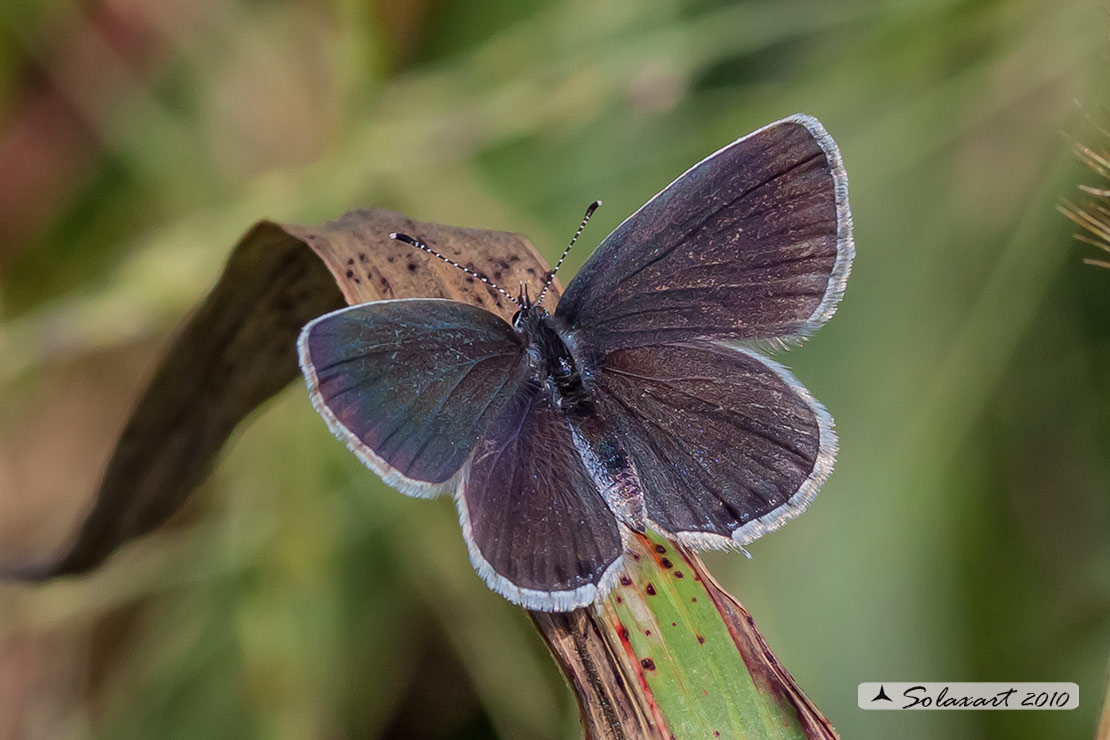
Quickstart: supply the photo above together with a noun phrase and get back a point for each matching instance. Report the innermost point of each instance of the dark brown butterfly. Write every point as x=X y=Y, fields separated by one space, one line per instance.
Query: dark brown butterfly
x=644 y=401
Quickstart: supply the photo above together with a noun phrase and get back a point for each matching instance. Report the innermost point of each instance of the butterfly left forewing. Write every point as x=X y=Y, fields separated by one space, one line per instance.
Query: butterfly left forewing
x=410 y=385
x=727 y=445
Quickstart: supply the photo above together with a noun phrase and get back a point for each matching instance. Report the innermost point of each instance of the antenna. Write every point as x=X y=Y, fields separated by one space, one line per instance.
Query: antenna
x=422 y=246
x=551 y=275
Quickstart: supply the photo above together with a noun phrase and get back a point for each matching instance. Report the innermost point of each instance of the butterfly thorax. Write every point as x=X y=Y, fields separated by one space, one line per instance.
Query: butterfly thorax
x=553 y=361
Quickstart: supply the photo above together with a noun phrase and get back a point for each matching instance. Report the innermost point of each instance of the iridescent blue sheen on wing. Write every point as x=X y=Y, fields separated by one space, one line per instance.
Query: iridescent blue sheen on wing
x=754 y=242
x=412 y=385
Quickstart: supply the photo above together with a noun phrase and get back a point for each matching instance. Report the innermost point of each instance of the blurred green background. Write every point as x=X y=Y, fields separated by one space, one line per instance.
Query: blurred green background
x=963 y=537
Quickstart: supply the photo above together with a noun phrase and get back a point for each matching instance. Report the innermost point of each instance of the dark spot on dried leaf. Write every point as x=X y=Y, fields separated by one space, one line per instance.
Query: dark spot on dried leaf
x=660 y=549
x=626 y=581
x=666 y=563
x=701 y=640
x=678 y=574
x=647 y=633
x=350 y=273
x=650 y=590
x=648 y=664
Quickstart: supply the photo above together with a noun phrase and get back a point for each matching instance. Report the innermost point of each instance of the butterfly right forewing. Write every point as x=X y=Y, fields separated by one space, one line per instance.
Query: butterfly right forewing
x=752 y=243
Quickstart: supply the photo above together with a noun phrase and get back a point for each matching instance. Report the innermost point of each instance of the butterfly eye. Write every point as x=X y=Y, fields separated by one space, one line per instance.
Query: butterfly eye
x=516 y=320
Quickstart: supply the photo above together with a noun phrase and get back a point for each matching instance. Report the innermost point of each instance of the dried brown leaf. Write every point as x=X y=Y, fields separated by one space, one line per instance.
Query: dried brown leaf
x=239 y=348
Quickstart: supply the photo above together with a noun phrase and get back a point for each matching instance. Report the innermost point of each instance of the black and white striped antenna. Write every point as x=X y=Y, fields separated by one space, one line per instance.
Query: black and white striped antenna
x=470 y=271
x=424 y=247
x=551 y=275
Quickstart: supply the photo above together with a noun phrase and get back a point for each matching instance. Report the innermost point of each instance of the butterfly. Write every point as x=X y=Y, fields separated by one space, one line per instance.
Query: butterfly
x=645 y=401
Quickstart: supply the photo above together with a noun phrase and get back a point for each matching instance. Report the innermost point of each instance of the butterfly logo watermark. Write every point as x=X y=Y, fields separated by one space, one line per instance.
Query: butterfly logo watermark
x=983 y=695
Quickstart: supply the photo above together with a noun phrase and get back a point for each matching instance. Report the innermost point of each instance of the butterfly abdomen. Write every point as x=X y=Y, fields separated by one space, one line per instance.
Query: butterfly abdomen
x=610 y=468
x=569 y=388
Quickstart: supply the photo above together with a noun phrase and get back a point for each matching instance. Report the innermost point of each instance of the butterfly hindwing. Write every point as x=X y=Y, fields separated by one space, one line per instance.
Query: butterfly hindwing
x=410 y=385
x=726 y=443
x=752 y=243
x=538 y=530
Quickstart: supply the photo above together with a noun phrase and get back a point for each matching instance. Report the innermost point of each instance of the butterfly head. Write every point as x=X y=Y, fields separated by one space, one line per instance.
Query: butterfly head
x=530 y=315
